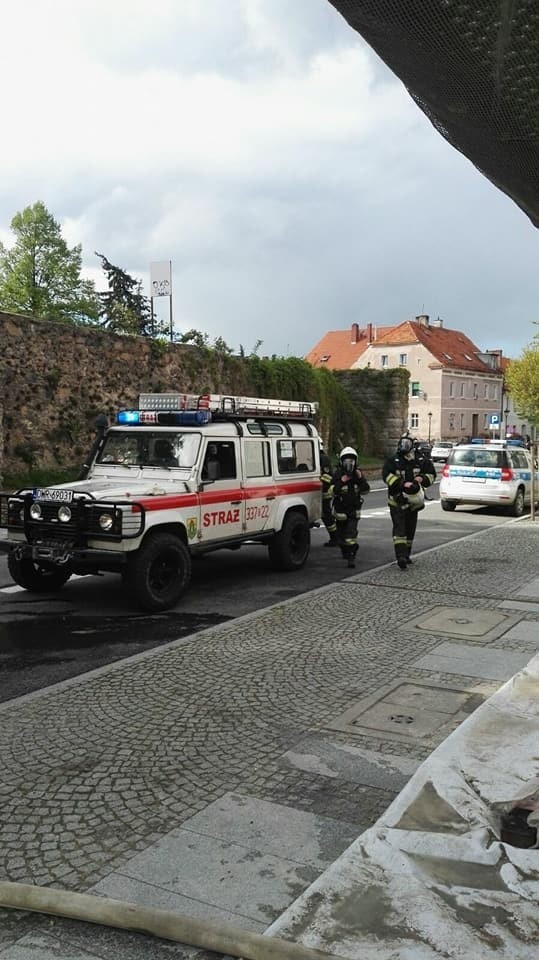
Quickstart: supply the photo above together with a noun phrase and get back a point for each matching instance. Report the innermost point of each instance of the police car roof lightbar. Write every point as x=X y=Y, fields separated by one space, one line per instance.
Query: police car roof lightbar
x=221 y=405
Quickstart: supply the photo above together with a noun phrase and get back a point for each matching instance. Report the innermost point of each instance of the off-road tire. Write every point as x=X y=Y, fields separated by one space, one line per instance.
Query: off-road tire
x=289 y=549
x=37 y=577
x=158 y=574
x=448 y=504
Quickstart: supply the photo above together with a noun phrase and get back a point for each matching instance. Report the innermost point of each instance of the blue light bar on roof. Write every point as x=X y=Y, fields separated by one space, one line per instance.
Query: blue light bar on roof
x=165 y=418
x=127 y=416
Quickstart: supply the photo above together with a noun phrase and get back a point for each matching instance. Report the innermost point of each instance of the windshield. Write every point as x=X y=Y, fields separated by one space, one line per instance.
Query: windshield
x=476 y=457
x=150 y=449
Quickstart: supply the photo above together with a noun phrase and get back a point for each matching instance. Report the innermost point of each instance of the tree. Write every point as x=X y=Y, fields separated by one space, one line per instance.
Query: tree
x=40 y=275
x=522 y=378
x=123 y=307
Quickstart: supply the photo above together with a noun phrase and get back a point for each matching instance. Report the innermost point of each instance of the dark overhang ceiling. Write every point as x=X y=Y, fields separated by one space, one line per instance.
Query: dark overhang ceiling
x=473 y=68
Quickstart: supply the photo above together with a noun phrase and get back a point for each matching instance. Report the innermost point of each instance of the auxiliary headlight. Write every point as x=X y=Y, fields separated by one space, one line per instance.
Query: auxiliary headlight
x=35 y=511
x=106 y=521
x=64 y=514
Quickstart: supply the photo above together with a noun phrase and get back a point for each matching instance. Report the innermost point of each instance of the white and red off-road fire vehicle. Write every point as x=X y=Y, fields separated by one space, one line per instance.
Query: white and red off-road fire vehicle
x=181 y=475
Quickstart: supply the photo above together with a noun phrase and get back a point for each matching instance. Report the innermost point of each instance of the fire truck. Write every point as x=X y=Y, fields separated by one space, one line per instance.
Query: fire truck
x=180 y=475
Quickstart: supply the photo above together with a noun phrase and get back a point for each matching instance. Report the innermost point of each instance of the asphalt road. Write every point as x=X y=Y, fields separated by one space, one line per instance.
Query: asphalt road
x=48 y=638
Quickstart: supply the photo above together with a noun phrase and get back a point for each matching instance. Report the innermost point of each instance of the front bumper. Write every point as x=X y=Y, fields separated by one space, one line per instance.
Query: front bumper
x=59 y=553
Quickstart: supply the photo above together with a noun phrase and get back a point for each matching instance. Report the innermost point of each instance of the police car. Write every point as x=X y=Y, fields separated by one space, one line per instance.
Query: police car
x=496 y=473
x=179 y=476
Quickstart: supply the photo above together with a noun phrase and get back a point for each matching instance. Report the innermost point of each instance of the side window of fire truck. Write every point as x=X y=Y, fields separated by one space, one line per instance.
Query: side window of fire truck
x=222 y=457
x=295 y=456
x=257 y=458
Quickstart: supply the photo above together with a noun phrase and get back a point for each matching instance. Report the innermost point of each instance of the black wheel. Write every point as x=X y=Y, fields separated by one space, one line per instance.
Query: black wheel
x=517 y=507
x=37 y=577
x=448 y=504
x=158 y=574
x=289 y=549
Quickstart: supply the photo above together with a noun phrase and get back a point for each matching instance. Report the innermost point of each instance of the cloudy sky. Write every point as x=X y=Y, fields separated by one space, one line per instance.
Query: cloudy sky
x=263 y=148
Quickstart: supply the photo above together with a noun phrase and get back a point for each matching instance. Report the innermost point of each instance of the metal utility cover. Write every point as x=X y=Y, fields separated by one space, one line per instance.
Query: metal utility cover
x=463 y=622
x=412 y=710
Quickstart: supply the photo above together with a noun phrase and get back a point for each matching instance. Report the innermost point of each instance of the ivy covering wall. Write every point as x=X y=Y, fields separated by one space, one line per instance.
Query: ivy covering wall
x=55 y=379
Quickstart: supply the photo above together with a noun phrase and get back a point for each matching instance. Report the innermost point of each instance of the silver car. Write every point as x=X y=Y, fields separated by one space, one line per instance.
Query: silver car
x=441 y=451
x=494 y=474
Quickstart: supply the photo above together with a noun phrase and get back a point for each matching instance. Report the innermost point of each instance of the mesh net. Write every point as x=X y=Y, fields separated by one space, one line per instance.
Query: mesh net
x=473 y=68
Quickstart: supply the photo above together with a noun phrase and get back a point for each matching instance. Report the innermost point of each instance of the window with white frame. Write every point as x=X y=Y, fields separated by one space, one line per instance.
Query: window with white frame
x=403 y=359
x=451 y=388
x=416 y=389
x=385 y=360
x=475 y=394
x=451 y=421
x=485 y=391
x=463 y=388
x=495 y=397
x=485 y=421
x=462 y=421
x=414 y=421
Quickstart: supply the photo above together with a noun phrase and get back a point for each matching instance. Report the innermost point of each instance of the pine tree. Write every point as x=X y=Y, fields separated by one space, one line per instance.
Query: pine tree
x=124 y=308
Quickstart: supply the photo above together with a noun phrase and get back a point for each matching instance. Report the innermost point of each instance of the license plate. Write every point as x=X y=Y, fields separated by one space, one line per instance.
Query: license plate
x=474 y=479
x=57 y=496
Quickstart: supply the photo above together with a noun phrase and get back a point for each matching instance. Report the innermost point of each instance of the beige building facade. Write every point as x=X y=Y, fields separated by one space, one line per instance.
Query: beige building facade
x=455 y=389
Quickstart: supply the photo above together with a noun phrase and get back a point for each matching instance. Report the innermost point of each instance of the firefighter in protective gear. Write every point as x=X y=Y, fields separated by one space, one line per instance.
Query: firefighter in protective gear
x=347 y=488
x=407 y=475
x=328 y=517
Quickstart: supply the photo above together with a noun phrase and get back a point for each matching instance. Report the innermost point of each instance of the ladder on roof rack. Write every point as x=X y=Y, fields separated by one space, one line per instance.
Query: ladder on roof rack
x=229 y=406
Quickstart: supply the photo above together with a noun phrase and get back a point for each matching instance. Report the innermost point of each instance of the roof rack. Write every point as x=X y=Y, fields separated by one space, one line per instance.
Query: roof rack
x=227 y=407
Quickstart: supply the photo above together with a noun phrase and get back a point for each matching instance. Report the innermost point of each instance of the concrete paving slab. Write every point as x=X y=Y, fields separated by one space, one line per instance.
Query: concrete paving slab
x=213 y=872
x=488 y=664
x=44 y=947
x=356 y=765
x=85 y=941
x=120 y=886
x=526 y=630
x=530 y=589
x=274 y=829
x=528 y=606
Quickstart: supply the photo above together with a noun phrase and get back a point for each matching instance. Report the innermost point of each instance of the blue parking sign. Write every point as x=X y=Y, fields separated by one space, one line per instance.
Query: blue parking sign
x=494 y=419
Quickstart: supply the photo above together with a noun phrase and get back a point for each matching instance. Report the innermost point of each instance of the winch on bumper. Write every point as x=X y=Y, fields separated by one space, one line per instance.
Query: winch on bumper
x=61 y=531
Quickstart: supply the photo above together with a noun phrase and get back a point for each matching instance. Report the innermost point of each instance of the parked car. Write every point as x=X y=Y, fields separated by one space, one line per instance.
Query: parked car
x=495 y=474
x=441 y=451
x=423 y=449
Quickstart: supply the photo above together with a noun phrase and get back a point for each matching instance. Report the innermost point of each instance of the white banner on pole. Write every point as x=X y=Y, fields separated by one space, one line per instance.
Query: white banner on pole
x=161 y=278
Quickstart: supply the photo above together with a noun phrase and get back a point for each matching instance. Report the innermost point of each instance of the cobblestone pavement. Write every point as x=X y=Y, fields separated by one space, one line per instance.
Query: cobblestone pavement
x=96 y=771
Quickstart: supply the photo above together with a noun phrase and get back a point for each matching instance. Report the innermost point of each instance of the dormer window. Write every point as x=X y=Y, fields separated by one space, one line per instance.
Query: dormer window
x=325 y=358
x=447 y=356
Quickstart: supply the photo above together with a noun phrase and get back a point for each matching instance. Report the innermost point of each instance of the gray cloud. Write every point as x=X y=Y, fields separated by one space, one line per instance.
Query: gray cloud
x=270 y=155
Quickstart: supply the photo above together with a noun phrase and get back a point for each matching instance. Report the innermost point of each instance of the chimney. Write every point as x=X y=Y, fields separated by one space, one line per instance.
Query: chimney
x=423 y=319
x=436 y=323
x=369 y=333
x=355 y=332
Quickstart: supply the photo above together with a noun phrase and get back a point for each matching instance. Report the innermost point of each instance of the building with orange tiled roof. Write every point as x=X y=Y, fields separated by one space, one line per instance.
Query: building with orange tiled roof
x=456 y=389
x=341 y=349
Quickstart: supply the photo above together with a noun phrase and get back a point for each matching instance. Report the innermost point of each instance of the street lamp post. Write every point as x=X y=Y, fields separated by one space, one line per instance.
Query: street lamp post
x=430 y=421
